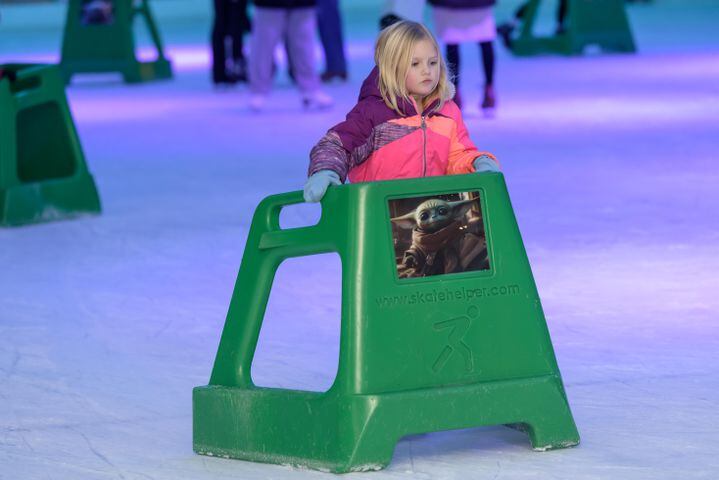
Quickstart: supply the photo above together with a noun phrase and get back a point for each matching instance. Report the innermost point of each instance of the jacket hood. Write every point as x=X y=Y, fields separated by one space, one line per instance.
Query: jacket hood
x=370 y=89
x=370 y=86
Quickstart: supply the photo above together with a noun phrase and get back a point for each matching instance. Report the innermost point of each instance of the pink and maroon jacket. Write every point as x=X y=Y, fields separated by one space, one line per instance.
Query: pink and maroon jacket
x=376 y=143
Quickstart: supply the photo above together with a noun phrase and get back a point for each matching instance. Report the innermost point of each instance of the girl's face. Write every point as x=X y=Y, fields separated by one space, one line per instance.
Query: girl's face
x=423 y=73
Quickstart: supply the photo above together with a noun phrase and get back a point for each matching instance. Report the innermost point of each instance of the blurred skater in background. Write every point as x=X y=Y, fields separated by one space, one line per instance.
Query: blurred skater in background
x=295 y=20
x=462 y=21
x=228 y=59
x=329 y=22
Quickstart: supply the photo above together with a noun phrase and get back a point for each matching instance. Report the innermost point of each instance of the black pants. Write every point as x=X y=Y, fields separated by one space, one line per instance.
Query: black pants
x=231 y=22
x=487 y=49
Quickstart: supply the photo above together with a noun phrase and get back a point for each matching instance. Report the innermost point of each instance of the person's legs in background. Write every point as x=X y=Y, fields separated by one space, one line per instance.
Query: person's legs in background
x=489 y=100
x=268 y=26
x=452 y=55
x=329 y=23
x=219 y=53
x=238 y=24
x=301 y=27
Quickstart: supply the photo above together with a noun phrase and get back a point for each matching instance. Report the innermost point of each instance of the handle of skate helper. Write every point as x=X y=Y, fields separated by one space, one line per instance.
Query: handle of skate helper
x=267 y=246
x=9 y=74
x=292 y=242
x=36 y=85
x=26 y=80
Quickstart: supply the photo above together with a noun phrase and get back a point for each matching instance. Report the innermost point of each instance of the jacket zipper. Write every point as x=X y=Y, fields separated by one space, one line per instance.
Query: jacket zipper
x=424 y=147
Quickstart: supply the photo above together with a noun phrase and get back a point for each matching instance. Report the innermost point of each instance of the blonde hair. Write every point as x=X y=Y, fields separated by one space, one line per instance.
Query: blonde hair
x=393 y=56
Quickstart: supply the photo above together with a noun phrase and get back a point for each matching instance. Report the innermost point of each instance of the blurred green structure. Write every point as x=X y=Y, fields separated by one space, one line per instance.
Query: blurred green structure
x=43 y=175
x=105 y=42
x=416 y=354
x=602 y=23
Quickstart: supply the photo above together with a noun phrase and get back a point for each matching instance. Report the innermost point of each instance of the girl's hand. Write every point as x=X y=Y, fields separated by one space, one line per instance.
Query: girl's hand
x=317 y=184
x=485 y=164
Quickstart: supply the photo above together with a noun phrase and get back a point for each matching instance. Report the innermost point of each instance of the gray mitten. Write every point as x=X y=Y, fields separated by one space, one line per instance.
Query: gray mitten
x=485 y=164
x=317 y=184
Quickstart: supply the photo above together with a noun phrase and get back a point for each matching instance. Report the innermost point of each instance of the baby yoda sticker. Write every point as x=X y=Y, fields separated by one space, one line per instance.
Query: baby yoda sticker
x=438 y=235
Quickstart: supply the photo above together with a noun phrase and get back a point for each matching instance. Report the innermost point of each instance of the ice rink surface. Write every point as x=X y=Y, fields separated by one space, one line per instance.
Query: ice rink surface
x=108 y=322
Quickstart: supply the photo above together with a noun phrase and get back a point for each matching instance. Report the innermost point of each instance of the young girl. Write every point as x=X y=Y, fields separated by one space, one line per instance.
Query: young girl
x=405 y=124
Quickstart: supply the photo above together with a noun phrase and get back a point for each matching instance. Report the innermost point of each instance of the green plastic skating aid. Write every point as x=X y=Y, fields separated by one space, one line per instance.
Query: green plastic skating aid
x=602 y=23
x=109 y=45
x=43 y=174
x=417 y=353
